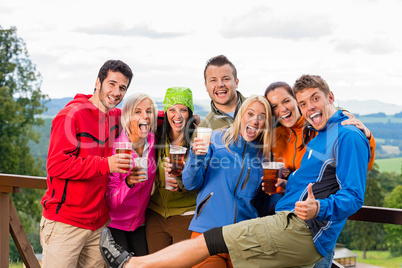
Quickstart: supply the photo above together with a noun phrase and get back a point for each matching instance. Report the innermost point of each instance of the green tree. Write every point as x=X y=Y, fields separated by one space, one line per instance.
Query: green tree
x=21 y=101
x=393 y=231
x=389 y=180
x=367 y=235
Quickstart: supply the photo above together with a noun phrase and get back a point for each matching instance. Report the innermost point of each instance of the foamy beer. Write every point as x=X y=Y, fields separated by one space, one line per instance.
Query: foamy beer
x=123 y=148
x=205 y=134
x=272 y=171
x=176 y=156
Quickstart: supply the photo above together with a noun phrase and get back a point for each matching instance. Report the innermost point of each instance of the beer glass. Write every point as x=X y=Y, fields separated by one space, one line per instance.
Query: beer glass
x=205 y=134
x=123 y=148
x=143 y=163
x=272 y=171
x=176 y=156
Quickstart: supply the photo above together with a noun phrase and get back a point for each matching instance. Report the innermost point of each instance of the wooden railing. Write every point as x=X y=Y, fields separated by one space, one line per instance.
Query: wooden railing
x=10 y=222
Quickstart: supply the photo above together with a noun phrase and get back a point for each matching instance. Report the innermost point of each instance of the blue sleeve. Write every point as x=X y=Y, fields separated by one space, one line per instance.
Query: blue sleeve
x=352 y=153
x=194 y=171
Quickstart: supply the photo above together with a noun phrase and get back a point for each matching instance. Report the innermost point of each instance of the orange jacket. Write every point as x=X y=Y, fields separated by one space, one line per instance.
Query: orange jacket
x=286 y=145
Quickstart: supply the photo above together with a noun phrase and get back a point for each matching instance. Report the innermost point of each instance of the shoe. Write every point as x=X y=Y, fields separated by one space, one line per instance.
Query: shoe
x=113 y=254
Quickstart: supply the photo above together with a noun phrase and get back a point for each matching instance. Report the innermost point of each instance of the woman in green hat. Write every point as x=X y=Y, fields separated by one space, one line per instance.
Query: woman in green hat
x=171 y=210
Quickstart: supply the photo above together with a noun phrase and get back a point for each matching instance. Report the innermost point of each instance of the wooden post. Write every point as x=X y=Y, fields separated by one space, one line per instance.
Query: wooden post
x=21 y=240
x=10 y=223
x=4 y=229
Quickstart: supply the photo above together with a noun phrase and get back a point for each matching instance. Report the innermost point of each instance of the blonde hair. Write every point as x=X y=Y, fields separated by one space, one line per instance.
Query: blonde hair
x=130 y=103
x=265 y=138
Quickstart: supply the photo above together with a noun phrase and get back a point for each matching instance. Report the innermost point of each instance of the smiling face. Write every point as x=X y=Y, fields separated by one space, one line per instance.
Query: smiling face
x=284 y=106
x=111 y=91
x=177 y=116
x=221 y=86
x=315 y=106
x=253 y=121
x=141 y=120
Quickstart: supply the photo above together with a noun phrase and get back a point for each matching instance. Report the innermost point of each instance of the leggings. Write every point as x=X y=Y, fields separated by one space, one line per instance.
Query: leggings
x=132 y=241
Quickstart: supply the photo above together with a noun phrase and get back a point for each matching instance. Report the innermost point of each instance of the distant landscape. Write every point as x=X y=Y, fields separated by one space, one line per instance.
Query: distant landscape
x=386 y=128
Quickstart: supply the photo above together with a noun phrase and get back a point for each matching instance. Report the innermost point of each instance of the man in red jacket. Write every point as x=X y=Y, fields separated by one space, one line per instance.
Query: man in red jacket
x=78 y=164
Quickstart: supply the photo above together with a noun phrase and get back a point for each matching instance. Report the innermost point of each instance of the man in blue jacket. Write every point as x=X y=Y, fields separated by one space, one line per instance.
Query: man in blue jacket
x=320 y=196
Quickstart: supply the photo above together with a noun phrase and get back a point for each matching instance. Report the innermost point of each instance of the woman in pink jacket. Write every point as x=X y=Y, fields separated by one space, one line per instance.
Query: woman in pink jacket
x=127 y=194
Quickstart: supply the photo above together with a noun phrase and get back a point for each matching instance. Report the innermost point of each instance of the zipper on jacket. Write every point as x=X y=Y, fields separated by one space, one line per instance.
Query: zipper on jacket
x=238 y=181
x=138 y=210
x=203 y=203
x=165 y=202
x=294 y=156
x=246 y=180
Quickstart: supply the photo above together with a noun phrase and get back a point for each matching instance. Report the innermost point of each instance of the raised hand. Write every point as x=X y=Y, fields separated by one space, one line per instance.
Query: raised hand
x=120 y=163
x=307 y=209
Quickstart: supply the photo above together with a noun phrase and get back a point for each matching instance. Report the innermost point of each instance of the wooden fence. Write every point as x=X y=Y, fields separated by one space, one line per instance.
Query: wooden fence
x=11 y=224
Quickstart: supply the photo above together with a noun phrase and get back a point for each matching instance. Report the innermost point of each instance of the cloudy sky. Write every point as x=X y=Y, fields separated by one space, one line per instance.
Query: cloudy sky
x=355 y=45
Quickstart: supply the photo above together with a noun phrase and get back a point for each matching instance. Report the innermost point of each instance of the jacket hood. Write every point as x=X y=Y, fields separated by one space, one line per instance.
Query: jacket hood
x=81 y=101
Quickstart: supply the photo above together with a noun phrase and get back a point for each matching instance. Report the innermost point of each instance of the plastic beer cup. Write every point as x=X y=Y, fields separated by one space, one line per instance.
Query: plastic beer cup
x=176 y=157
x=272 y=171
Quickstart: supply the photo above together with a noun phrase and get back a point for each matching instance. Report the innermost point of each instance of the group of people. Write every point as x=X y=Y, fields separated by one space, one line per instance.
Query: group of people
x=216 y=214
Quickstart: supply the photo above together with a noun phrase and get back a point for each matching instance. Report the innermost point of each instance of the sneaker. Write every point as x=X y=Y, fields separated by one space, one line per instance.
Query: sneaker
x=113 y=254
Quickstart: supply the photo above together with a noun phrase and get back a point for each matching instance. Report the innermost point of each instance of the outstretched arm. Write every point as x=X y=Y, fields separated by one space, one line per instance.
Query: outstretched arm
x=359 y=124
x=183 y=254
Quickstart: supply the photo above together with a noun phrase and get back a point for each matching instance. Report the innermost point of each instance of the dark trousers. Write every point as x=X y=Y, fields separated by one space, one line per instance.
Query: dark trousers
x=132 y=241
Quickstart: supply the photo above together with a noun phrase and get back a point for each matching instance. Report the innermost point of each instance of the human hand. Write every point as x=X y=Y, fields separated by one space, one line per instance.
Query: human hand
x=120 y=163
x=197 y=120
x=281 y=186
x=171 y=181
x=168 y=166
x=199 y=147
x=356 y=122
x=137 y=175
x=285 y=173
x=307 y=209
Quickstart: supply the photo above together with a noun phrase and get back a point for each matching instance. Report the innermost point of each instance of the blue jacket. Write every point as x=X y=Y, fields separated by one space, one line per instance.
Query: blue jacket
x=227 y=181
x=336 y=163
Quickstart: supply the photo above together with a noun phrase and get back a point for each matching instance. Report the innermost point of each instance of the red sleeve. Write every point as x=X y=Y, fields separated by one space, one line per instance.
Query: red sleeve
x=161 y=117
x=64 y=159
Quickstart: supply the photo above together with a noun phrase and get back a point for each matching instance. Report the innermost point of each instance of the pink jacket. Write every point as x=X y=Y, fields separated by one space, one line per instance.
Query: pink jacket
x=127 y=205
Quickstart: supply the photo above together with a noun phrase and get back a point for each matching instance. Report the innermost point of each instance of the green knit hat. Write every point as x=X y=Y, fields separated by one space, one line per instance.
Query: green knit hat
x=178 y=95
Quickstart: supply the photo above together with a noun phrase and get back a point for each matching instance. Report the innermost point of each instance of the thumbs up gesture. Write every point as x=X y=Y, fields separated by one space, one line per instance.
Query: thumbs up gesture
x=307 y=209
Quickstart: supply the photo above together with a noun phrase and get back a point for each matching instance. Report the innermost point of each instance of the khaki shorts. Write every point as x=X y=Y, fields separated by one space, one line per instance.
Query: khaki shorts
x=281 y=240
x=65 y=245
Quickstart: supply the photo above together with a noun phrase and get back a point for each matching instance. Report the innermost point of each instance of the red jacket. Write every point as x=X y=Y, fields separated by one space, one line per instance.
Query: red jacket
x=81 y=139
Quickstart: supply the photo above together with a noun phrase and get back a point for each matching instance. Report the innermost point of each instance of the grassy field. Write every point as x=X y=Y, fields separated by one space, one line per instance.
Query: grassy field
x=379 y=258
x=390 y=164
x=16 y=265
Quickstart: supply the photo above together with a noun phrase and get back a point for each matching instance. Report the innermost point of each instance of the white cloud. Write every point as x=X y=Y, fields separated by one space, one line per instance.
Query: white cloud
x=263 y=22
x=354 y=45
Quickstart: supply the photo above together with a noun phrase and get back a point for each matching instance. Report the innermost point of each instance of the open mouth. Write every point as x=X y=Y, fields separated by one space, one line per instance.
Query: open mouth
x=144 y=127
x=112 y=99
x=178 y=123
x=286 y=116
x=221 y=93
x=316 y=117
x=251 y=131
